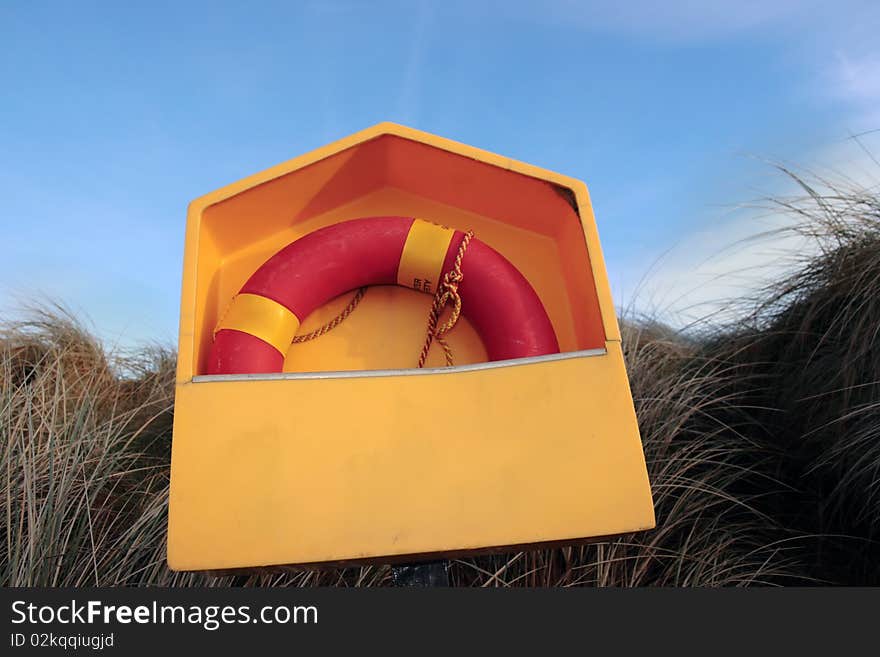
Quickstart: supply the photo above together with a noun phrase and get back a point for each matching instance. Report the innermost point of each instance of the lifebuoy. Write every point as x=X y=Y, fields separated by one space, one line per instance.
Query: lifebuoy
x=254 y=333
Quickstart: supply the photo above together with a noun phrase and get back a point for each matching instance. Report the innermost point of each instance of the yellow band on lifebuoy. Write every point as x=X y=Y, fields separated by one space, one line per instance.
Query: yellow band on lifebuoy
x=421 y=262
x=263 y=318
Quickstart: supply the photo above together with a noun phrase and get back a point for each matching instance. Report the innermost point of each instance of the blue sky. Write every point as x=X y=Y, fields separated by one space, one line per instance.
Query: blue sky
x=113 y=116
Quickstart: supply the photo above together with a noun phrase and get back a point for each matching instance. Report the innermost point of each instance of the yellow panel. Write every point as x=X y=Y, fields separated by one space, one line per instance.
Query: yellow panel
x=353 y=468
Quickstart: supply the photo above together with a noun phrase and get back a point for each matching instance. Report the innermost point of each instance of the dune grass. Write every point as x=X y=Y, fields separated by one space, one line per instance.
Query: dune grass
x=761 y=440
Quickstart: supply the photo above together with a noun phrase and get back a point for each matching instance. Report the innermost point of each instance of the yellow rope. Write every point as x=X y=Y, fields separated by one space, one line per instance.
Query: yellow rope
x=446 y=292
x=336 y=321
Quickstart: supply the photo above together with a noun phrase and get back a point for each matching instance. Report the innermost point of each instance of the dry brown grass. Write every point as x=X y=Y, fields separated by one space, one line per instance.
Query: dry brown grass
x=761 y=441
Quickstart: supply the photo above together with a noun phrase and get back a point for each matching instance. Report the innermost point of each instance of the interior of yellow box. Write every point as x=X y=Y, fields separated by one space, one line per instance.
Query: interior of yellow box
x=532 y=222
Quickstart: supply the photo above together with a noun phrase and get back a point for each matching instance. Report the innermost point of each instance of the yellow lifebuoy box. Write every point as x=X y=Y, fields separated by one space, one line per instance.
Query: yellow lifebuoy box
x=351 y=453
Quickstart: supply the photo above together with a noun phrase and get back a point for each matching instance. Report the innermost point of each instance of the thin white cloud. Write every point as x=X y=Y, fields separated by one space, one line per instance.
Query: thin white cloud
x=710 y=276
x=834 y=48
x=683 y=20
x=859 y=77
x=855 y=80
x=713 y=275
x=411 y=85
x=688 y=21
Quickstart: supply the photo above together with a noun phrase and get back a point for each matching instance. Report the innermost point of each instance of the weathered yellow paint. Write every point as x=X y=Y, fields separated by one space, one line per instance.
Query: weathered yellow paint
x=424 y=251
x=305 y=470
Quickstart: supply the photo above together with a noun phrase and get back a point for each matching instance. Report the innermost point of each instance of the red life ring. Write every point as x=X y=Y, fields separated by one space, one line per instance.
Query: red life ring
x=254 y=333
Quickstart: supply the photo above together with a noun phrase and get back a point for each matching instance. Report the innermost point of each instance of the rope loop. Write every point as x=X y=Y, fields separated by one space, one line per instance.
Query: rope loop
x=446 y=292
x=336 y=321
